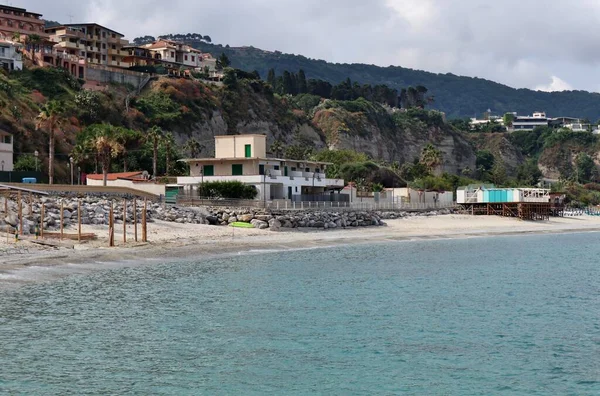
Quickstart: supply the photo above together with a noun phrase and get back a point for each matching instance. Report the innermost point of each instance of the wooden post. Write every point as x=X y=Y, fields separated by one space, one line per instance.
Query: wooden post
x=124 y=221
x=111 y=227
x=42 y=214
x=135 y=219
x=6 y=204
x=20 y=198
x=79 y=221
x=30 y=205
x=62 y=218
x=144 y=224
x=7 y=234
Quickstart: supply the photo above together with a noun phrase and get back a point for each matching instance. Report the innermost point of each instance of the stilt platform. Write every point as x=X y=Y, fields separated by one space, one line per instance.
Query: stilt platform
x=532 y=211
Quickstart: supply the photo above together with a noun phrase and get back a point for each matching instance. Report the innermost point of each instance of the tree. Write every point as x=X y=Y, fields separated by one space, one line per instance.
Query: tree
x=277 y=148
x=169 y=141
x=107 y=145
x=230 y=78
x=16 y=37
x=207 y=39
x=194 y=147
x=26 y=162
x=288 y=83
x=431 y=157
x=498 y=173
x=508 y=118
x=302 y=85
x=223 y=62
x=49 y=120
x=584 y=167
x=529 y=173
x=34 y=40
x=271 y=78
x=484 y=160
x=155 y=135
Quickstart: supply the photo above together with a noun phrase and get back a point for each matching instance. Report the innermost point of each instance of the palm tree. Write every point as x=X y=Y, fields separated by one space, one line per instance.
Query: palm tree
x=155 y=135
x=34 y=40
x=106 y=142
x=431 y=157
x=49 y=120
x=169 y=143
x=127 y=137
x=16 y=37
x=194 y=147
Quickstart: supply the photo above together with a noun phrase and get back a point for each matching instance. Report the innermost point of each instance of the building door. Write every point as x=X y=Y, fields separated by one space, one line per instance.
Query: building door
x=237 y=169
x=285 y=171
x=209 y=170
x=248 y=150
x=261 y=169
x=290 y=193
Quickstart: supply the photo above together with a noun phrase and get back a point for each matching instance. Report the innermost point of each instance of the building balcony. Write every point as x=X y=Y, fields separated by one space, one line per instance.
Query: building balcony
x=117 y=52
x=69 y=44
x=269 y=179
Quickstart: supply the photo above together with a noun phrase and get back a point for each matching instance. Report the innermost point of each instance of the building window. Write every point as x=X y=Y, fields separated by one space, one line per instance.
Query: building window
x=114 y=46
x=317 y=170
x=186 y=57
x=248 y=150
x=237 y=169
x=114 y=35
x=172 y=54
x=103 y=46
x=103 y=57
x=276 y=167
x=103 y=34
x=293 y=169
x=114 y=58
x=7 y=139
x=296 y=189
x=307 y=170
x=209 y=170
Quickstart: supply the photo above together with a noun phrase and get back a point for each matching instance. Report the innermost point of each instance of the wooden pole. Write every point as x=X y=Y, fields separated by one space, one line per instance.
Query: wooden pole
x=43 y=213
x=124 y=221
x=62 y=218
x=30 y=205
x=20 y=213
x=79 y=221
x=144 y=222
x=111 y=225
x=135 y=219
x=6 y=203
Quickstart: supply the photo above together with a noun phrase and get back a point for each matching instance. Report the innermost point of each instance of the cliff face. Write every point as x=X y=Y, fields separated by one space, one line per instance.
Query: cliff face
x=501 y=148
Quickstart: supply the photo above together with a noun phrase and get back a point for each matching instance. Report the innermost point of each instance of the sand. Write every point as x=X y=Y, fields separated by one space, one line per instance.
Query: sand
x=172 y=241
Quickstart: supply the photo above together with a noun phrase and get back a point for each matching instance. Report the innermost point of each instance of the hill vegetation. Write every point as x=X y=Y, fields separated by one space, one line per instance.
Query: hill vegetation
x=457 y=96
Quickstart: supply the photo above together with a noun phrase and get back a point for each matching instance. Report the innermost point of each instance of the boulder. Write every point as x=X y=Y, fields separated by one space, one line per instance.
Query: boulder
x=274 y=224
x=232 y=219
x=261 y=225
x=11 y=219
x=212 y=220
x=246 y=218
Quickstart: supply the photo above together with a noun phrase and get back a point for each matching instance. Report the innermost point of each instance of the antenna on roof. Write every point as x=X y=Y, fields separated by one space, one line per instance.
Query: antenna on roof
x=70 y=18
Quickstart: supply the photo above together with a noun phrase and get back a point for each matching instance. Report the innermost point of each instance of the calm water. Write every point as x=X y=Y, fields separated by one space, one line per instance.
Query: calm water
x=518 y=315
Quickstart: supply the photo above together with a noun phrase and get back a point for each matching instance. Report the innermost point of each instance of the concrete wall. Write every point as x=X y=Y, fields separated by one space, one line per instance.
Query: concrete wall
x=233 y=146
x=6 y=151
x=150 y=188
x=113 y=75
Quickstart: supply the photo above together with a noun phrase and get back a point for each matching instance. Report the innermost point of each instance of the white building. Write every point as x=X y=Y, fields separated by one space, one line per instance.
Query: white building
x=10 y=55
x=175 y=52
x=244 y=158
x=529 y=123
x=6 y=152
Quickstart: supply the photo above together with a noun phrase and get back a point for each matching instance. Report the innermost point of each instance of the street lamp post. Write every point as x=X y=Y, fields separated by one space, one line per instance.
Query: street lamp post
x=79 y=175
x=266 y=173
x=71 y=163
x=36 y=154
x=2 y=165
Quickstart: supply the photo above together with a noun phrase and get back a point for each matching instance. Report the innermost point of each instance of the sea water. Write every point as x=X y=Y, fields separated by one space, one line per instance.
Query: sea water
x=483 y=316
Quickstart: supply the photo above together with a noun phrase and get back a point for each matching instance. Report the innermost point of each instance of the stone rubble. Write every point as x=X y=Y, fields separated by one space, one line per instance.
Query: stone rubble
x=95 y=210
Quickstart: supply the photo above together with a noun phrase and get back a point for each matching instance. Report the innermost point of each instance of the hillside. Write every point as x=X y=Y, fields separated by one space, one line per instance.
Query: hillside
x=455 y=95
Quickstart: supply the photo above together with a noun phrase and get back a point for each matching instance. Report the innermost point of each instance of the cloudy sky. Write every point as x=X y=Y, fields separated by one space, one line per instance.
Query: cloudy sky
x=548 y=45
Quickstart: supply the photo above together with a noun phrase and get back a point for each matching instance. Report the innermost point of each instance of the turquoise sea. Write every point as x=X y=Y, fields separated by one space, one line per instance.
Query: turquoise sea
x=483 y=316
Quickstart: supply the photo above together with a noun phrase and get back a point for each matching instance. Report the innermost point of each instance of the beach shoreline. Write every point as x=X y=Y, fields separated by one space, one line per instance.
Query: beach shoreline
x=170 y=241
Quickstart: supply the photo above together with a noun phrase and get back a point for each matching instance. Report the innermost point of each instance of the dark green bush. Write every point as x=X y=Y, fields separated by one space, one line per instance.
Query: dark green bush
x=227 y=189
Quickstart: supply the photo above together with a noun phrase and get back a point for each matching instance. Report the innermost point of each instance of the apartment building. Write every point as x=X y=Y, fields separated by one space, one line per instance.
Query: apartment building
x=93 y=43
x=173 y=53
x=6 y=151
x=244 y=158
x=11 y=57
x=14 y=20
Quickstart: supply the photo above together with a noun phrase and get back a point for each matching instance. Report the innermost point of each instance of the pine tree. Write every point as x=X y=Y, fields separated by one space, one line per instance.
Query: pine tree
x=288 y=84
x=302 y=86
x=271 y=79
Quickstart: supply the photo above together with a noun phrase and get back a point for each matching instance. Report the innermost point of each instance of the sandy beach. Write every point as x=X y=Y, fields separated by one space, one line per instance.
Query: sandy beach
x=172 y=240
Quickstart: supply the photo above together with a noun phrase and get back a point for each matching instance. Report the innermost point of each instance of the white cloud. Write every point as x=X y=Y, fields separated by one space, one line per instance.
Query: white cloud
x=555 y=85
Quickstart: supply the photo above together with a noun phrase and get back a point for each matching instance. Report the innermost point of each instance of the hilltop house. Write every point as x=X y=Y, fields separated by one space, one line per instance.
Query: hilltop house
x=6 y=152
x=11 y=57
x=19 y=21
x=244 y=158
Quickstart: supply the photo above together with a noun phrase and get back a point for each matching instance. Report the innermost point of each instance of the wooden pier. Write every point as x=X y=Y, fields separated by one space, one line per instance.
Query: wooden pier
x=532 y=211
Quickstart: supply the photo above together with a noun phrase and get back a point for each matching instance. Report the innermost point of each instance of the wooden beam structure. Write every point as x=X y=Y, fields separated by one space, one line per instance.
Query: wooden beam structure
x=531 y=211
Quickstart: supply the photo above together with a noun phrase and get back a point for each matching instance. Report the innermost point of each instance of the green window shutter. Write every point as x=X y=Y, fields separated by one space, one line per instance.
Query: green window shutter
x=248 y=150
x=209 y=170
x=237 y=169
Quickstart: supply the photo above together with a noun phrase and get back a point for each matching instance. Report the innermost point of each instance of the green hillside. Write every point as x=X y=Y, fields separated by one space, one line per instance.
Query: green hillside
x=455 y=95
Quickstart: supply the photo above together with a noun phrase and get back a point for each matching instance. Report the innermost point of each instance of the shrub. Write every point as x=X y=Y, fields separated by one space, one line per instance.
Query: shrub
x=227 y=189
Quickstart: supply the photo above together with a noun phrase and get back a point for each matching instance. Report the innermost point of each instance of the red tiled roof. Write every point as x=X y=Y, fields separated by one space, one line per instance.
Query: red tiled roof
x=114 y=176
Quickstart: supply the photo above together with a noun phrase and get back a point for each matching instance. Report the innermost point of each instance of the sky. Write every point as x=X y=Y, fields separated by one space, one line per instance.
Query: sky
x=549 y=45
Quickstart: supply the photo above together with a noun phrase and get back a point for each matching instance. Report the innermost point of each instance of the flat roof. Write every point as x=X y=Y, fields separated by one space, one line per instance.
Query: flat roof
x=85 y=24
x=245 y=134
x=5 y=7
x=188 y=160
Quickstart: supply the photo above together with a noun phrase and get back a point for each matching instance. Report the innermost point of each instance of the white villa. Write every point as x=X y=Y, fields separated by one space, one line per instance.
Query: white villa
x=6 y=152
x=244 y=158
x=10 y=55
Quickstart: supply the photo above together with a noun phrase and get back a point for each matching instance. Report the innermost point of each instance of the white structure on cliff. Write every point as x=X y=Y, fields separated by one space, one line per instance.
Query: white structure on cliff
x=6 y=152
x=244 y=158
